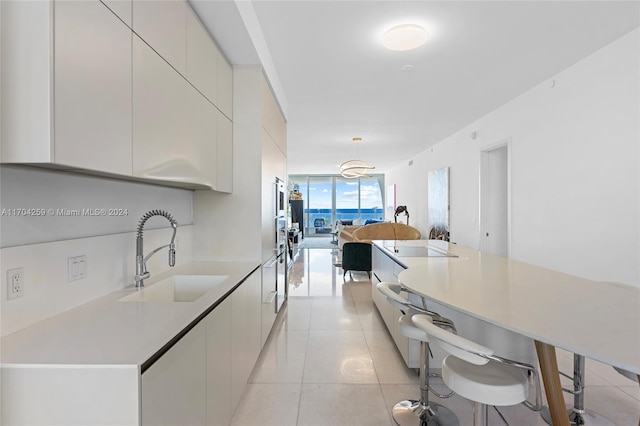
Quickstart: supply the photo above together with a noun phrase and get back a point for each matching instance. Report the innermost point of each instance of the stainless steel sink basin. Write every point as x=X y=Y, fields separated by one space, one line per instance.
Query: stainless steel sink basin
x=178 y=288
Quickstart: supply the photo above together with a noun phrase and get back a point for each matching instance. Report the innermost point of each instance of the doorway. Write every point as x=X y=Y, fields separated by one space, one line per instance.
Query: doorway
x=495 y=199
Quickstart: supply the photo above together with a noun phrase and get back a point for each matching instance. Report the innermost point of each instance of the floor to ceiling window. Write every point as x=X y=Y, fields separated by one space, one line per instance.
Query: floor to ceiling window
x=328 y=199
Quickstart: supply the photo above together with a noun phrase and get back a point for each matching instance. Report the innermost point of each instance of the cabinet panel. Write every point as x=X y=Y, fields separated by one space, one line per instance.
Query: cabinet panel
x=224 y=178
x=218 y=340
x=268 y=308
x=272 y=119
x=202 y=58
x=27 y=89
x=163 y=25
x=122 y=8
x=92 y=59
x=174 y=387
x=254 y=317
x=174 y=127
x=239 y=344
x=225 y=86
x=385 y=269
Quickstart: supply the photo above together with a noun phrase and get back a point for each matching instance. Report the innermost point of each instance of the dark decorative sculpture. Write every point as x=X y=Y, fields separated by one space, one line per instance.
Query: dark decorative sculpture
x=401 y=209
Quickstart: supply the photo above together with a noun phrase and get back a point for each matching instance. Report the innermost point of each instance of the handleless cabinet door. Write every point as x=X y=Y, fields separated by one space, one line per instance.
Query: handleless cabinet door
x=225 y=86
x=174 y=387
x=162 y=24
x=224 y=181
x=92 y=75
x=202 y=58
x=174 y=126
x=239 y=344
x=254 y=317
x=218 y=339
x=122 y=8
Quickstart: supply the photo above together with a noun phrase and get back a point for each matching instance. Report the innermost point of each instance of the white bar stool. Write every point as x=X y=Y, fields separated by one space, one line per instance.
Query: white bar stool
x=422 y=412
x=474 y=372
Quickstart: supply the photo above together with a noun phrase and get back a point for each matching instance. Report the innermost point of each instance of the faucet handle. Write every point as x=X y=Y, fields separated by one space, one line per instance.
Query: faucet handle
x=140 y=277
x=172 y=255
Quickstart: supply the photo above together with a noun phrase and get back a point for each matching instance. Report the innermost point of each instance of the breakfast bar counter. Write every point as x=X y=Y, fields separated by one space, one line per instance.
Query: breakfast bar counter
x=596 y=319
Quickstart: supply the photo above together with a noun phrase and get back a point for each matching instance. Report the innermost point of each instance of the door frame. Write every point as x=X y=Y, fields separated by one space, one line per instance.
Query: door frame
x=484 y=184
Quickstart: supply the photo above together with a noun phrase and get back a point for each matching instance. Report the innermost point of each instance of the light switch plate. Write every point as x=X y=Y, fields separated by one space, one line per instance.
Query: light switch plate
x=76 y=268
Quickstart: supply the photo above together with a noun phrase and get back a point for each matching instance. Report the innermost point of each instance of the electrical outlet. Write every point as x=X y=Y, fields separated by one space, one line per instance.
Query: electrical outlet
x=15 y=283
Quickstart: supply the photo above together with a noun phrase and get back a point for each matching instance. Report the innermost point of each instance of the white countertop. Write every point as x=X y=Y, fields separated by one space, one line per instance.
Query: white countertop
x=595 y=319
x=108 y=332
x=388 y=246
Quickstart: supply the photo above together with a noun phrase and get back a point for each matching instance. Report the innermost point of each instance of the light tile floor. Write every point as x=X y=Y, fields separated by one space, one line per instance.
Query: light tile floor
x=330 y=361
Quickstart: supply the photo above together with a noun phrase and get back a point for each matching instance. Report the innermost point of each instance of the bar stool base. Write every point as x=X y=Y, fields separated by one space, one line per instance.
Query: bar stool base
x=412 y=413
x=586 y=418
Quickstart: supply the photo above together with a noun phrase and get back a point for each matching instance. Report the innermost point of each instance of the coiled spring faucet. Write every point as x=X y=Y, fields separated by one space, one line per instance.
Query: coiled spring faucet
x=141 y=261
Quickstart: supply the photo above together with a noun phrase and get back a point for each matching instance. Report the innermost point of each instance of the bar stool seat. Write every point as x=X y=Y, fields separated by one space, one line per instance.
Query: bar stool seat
x=474 y=372
x=421 y=412
x=491 y=383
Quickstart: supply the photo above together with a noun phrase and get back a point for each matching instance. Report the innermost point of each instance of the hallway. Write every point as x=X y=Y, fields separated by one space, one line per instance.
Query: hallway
x=330 y=361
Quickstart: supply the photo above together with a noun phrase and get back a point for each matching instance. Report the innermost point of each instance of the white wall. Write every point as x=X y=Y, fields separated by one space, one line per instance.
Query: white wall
x=42 y=245
x=575 y=164
x=32 y=188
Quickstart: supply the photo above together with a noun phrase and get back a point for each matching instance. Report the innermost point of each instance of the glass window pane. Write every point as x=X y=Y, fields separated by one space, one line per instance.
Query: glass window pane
x=371 y=204
x=320 y=205
x=347 y=196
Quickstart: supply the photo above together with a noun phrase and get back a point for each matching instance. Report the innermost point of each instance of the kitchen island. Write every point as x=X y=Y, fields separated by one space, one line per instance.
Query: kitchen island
x=114 y=361
x=602 y=322
x=391 y=258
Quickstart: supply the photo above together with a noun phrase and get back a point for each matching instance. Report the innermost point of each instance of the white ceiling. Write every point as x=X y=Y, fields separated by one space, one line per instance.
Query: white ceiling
x=335 y=81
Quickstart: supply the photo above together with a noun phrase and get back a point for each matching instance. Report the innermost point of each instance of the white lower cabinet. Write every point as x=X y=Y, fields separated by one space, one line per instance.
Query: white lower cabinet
x=239 y=344
x=201 y=379
x=268 y=297
x=219 y=410
x=246 y=329
x=254 y=318
x=385 y=269
x=174 y=388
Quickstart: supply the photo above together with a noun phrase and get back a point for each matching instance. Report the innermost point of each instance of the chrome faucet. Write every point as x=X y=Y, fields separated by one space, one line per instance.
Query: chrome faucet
x=141 y=261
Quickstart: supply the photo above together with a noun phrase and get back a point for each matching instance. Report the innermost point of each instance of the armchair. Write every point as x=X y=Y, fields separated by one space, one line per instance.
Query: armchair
x=356 y=256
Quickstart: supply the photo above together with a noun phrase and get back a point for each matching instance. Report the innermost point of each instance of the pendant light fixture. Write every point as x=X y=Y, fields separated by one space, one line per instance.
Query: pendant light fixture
x=355 y=168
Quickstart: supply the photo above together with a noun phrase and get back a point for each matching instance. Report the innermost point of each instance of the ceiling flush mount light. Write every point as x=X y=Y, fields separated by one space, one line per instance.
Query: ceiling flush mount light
x=355 y=168
x=404 y=37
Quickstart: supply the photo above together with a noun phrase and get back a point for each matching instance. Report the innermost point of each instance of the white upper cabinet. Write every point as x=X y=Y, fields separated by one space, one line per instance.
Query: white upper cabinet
x=162 y=24
x=272 y=119
x=66 y=95
x=122 y=8
x=82 y=91
x=174 y=128
x=92 y=75
x=202 y=58
x=224 y=181
x=225 y=86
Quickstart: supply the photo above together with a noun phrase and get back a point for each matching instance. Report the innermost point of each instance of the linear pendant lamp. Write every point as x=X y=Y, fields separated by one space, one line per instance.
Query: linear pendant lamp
x=352 y=169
